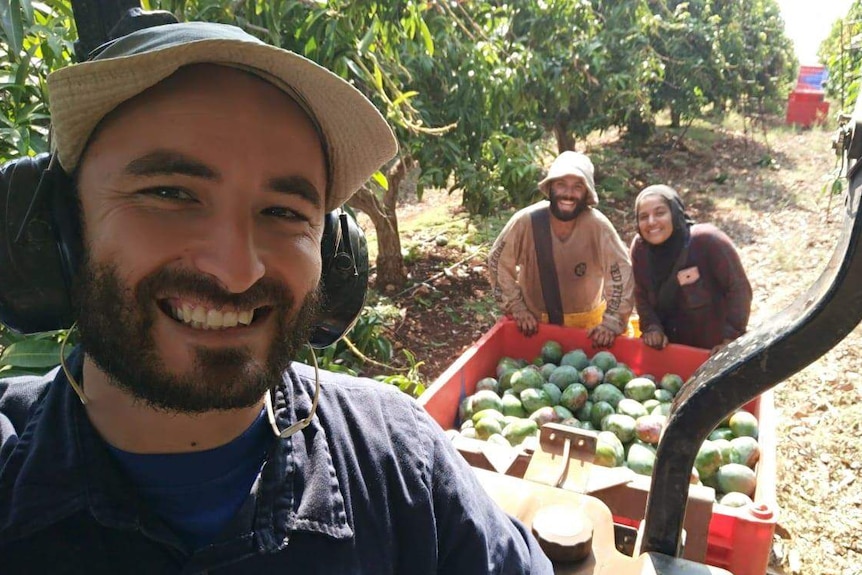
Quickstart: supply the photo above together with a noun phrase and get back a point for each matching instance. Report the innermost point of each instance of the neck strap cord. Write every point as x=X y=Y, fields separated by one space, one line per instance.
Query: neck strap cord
x=302 y=423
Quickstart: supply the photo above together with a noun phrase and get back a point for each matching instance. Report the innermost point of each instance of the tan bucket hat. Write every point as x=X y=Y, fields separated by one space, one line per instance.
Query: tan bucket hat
x=572 y=164
x=356 y=137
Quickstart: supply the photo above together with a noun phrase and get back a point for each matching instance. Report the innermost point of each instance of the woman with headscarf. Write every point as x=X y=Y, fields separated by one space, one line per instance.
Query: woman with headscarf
x=690 y=287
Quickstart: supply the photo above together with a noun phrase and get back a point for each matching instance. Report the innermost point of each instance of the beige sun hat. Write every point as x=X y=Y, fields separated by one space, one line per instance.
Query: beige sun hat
x=572 y=164
x=357 y=139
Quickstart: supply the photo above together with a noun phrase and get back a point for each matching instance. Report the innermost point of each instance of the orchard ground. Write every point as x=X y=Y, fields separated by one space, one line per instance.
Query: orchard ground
x=765 y=190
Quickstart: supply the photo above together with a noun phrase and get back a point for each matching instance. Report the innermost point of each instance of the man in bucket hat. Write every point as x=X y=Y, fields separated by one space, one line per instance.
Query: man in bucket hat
x=561 y=261
x=180 y=437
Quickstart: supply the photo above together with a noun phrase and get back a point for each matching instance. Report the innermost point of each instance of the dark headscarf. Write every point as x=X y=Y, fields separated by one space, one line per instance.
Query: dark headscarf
x=662 y=258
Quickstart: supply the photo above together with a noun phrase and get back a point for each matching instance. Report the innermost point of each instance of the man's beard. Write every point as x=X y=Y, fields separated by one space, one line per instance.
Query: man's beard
x=580 y=206
x=115 y=324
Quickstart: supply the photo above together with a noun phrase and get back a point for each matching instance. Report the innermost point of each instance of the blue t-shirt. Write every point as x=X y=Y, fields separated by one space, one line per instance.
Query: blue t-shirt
x=198 y=493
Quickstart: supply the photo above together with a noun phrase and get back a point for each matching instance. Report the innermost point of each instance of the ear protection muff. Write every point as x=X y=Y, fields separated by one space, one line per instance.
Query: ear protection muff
x=344 y=279
x=36 y=264
x=41 y=248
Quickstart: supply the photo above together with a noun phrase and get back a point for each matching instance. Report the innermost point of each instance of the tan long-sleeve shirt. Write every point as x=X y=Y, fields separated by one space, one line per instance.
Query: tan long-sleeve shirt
x=592 y=265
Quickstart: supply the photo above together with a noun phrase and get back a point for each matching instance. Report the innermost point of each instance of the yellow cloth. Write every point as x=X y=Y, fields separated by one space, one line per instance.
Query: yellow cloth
x=634 y=326
x=584 y=319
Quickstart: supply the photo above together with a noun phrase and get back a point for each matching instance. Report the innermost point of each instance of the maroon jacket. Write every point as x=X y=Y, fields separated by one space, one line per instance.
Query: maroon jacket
x=710 y=309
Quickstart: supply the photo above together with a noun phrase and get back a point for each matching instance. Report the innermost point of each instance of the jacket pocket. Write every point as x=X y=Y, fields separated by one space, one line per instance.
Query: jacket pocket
x=696 y=295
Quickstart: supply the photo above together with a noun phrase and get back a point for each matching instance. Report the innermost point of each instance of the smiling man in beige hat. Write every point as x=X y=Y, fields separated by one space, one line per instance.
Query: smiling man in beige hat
x=195 y=171
x=561 y=261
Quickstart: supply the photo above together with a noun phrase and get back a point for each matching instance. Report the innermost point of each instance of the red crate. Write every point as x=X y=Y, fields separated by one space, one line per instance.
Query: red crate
x=806 y=108
x=739 y=540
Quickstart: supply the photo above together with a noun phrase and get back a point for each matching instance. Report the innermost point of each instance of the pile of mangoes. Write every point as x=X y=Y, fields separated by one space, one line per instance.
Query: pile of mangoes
x=627 y=411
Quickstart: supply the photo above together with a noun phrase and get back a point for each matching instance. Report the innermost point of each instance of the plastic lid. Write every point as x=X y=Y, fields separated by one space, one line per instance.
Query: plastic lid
x=564 y=532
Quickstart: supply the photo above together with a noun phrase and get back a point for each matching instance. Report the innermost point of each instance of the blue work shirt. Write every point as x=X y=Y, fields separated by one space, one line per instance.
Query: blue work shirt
x=371 y=486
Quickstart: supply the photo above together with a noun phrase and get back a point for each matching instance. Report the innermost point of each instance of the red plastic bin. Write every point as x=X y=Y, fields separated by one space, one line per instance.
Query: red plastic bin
x=806 y=108
x=739 y=539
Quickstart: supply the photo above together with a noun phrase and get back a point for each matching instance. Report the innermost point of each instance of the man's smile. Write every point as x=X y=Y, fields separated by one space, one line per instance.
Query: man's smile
x=203 y=316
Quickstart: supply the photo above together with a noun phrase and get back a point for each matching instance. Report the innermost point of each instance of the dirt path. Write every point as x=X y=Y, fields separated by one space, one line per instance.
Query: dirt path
x=785 y=242
x=779 y=219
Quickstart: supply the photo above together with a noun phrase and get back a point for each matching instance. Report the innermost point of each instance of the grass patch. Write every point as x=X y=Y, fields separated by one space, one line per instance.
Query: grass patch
x=785 y=254
x=485 y=230
x=739 y=208
x=701 y=134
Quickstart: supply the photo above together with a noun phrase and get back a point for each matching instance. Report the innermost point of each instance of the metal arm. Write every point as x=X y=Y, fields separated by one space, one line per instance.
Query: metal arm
x=758 y=361
x=99 y=21
x=94 y=20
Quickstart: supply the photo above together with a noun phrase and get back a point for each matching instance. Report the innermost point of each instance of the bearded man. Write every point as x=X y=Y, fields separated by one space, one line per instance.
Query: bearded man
x=561 y=261
x=180 y=436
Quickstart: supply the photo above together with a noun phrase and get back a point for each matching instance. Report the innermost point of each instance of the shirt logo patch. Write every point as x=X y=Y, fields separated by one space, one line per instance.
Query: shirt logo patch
x=580 y=269
x=688 y=276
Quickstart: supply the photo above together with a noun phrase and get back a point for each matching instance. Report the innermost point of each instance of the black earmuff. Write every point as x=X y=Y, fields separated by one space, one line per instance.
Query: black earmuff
x=344 y=279
x=35 y=262
x=41 y=248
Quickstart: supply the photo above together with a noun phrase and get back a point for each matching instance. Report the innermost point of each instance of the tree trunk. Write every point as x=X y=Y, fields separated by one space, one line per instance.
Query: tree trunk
x=563 y=135
x=675 y=118
x=638 y=129
x=382 y=212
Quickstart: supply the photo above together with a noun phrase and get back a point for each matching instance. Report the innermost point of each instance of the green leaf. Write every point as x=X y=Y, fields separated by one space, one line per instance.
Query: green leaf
x=366 y=40
x=21 y=73
x=357 y=71
x=378 y=77
x=380 y=179
x=12 y=25
x=310 y=46
x=10 y=371
x=384 y=349
x=426 y=36
x=32 y=353
x=403 y=97
x=27 y=6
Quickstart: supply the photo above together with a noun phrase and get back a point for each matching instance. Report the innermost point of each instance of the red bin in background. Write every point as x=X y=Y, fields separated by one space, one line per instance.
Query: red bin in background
x=806 y=104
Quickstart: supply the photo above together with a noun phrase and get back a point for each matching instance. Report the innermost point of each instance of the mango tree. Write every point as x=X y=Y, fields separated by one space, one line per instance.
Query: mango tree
x=585 y=66
x=842 y=54
x=684 y=34
x=759 y=62
x=470 y=84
